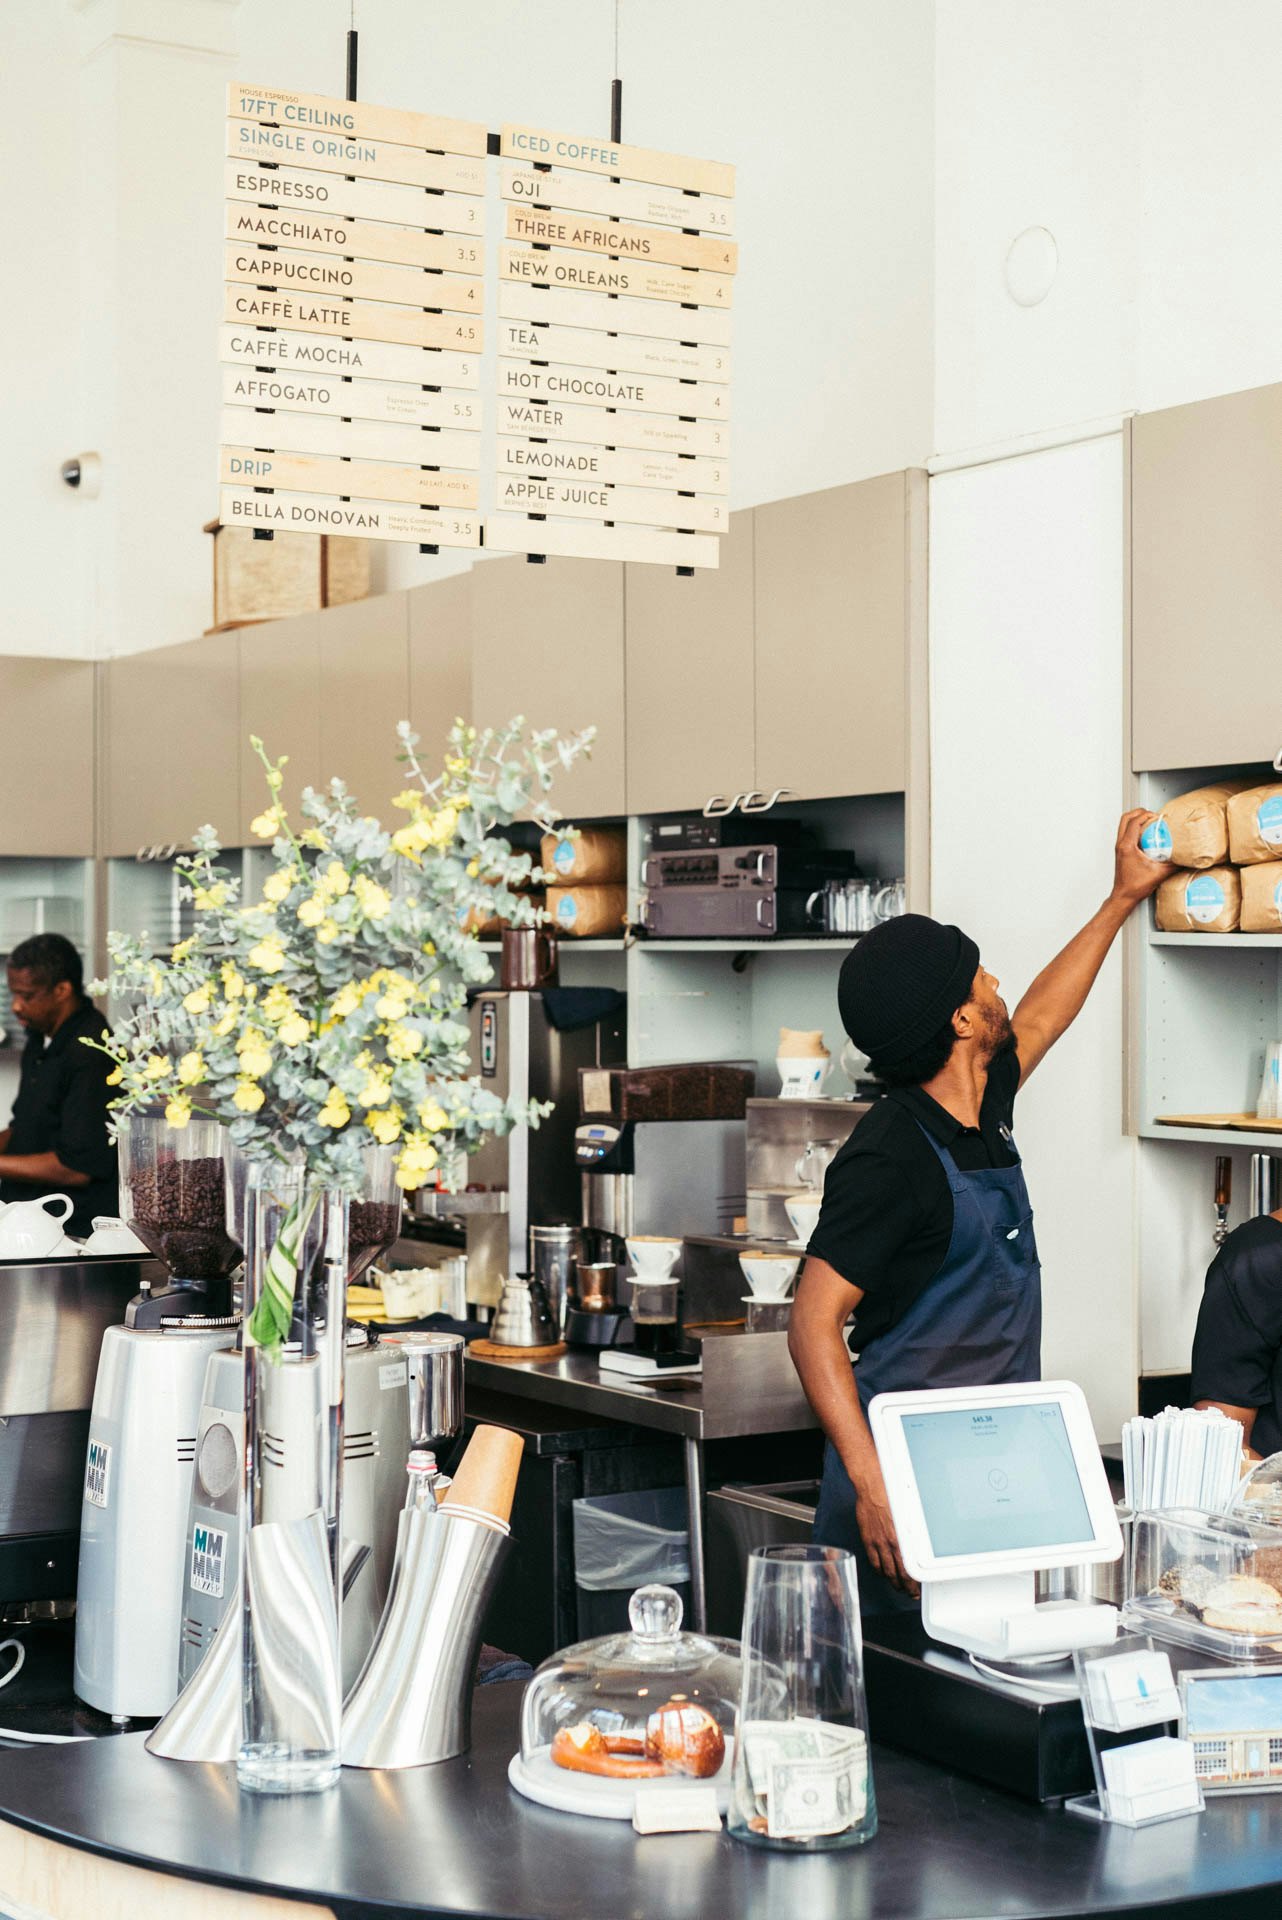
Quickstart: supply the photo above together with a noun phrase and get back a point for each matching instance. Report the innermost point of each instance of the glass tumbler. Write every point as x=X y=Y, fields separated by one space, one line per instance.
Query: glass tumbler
x=802 y=1774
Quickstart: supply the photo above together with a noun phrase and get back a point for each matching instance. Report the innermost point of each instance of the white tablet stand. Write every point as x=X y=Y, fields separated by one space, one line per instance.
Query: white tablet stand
x=997 y=1617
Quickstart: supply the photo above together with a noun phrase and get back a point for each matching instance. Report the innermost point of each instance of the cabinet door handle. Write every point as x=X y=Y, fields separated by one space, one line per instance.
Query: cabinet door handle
x=645 y=871
x=1277 y=761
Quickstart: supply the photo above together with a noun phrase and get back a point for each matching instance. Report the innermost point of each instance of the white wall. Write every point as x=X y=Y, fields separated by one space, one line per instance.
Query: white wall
x=1026 y=712
x=826 y=110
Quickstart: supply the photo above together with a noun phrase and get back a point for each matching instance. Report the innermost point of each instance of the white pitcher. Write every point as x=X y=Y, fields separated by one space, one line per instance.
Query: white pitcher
x=32 y=1229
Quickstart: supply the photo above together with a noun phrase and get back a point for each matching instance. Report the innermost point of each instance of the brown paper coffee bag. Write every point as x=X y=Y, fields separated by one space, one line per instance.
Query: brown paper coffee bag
x=597 y=855
x=1193 y=830
x=1206 y=902
x=1262 y=897
x=584 y=912
x=1255 y=825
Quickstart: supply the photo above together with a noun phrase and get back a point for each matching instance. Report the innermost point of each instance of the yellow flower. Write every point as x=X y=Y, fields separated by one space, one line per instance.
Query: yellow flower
x=441 y=826
x=116 y=1078
x=375 y=901
x=404 y=1042
x=266 y=824
x=327 y=932
x=473 y=868
x=276 y=886
x=198 y=1000
x=345 y=1002
x=391 y=1006
x=255 y=1061
x=226 y=1024
x=157 y=1067
x=376 y=1092
x=334 y=880
x=311 y=911
x=386 y=1127
x=313 y=838
x=268 y=956
x=408 y=799
x=431 y=1117
x=408 y=1179
x=275 y=778
x=405 y=842
x=294 y=1031
x=233 y=980
x=248 y=1097
x=277 y=1002
x=190 y=1069
x=178 y=1110
x=209 y=898
x=182 y=951
x=419 y=1153
x=335 y=1112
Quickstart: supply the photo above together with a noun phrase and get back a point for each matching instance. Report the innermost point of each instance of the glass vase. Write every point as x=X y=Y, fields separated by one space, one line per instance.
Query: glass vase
x=294 y=1315
x=802 y=1777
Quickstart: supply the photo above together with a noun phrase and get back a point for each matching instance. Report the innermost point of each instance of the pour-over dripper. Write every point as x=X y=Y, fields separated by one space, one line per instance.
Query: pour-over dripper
x=173 y=1194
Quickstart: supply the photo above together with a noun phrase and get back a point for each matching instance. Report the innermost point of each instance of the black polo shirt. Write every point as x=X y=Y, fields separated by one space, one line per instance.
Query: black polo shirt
x=62 y=1108
x=887 y=1214
x=1237 y=1349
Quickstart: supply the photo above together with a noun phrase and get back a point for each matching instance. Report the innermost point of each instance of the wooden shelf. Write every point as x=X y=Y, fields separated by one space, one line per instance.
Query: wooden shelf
x=1217 y=1129
x=841 y=944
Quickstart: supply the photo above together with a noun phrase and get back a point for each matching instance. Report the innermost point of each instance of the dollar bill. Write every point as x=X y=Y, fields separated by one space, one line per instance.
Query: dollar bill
x=807 y=1798
x=767 y=1742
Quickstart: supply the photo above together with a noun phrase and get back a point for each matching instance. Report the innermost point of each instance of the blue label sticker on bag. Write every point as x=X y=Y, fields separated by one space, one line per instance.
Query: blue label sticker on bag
x=567 y=911
x=1155 y=840
x=1204 y=899
x=1268 y=819
x=563 y=858
x=1277 y=897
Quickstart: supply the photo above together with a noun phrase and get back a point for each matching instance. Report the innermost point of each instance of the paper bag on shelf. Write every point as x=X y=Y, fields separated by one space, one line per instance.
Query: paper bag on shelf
x=597 y=855
x=1255 y=825
x=584 y=912
x=1209 y=902
x=1262 y=898
x=1193 y=830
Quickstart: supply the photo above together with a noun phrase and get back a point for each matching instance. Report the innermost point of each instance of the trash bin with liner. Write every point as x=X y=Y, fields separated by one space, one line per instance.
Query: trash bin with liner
x=623 y=1541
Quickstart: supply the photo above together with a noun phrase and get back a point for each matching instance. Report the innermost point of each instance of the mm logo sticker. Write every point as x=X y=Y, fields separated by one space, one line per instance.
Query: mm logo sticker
x=97 y=1473
x=208 y=1560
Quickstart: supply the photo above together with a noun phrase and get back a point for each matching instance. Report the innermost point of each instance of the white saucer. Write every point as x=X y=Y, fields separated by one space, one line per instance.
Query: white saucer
x=541 y=1780
x=767 y=1299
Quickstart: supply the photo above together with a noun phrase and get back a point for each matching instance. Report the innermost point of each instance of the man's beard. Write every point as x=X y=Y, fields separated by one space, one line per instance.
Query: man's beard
x=999 y=1036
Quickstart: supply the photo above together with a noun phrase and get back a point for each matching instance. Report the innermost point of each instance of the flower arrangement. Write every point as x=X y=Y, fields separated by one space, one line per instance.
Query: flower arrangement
x=326 y=1016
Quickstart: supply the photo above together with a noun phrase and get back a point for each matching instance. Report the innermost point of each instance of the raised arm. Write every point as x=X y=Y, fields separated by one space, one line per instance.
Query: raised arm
x=1059 y=992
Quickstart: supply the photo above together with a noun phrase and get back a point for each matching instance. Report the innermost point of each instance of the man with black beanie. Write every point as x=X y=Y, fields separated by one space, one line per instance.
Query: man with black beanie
x=926 y=1230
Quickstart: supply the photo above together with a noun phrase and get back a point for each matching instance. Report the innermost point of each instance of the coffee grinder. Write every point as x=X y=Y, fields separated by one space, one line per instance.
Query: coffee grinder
x=142 y=1429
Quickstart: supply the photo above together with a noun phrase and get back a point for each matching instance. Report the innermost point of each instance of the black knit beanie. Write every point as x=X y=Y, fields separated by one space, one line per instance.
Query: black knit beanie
x=902 y=984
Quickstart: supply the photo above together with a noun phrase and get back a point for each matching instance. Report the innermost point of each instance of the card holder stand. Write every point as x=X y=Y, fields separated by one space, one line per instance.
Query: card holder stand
x=1130 y=1700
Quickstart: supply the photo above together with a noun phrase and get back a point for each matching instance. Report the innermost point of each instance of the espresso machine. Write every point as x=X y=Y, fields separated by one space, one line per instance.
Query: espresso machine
x=526 y=1177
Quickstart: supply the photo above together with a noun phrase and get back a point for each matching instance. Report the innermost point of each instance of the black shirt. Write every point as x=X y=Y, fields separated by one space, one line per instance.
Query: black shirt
x=887 y=1214
x=62 y=1108
x=1237 y=1349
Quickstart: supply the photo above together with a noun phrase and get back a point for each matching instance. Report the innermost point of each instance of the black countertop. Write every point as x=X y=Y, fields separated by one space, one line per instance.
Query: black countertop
x=456 y=1840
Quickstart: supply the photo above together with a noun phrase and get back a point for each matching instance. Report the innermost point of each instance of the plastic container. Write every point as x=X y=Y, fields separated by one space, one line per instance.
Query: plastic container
x=623 y=1541
x=652 y=1707
x=1208 y=1580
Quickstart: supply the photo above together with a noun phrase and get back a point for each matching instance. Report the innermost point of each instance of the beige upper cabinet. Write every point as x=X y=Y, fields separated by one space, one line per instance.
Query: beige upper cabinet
x=834 y=601
x=690 y=679
x=364 y=695
x=280 y=702
x=44 y=705
x=171 y=744
x=1206 y=581
x=440 y=618
x=548 y=643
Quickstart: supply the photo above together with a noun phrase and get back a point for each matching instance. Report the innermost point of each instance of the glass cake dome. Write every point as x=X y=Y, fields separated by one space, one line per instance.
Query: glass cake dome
x=607 y=1717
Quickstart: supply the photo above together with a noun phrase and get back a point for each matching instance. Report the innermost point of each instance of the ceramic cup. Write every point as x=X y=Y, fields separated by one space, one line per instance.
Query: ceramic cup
x=769 y=1274
x=32 y=1229
x=111 y=1235
x=802 y=1077
x=803 y=1211
x=653 y=1255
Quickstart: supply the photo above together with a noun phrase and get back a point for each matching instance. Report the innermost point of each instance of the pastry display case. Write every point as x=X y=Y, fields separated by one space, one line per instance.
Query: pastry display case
x=612 y=1717
x=1209 y=1580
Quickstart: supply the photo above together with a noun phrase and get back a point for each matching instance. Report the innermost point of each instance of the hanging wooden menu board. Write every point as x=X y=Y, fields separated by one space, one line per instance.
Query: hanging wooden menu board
x=353 y=319
x=616 y=280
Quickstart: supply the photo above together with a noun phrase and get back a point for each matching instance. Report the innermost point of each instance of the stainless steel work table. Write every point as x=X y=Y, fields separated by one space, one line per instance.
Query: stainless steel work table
x=748 y=1386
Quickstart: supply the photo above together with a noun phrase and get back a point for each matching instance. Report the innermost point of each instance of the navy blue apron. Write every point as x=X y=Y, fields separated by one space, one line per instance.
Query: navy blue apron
x=978 y=1323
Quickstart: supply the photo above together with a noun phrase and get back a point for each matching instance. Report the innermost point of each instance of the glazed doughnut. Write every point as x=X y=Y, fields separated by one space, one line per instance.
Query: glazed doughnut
x=585 y=1749
x=686 y=1738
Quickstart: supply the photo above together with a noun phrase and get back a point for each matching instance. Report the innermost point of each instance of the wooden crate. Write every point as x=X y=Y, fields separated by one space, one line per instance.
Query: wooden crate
x=257 y=580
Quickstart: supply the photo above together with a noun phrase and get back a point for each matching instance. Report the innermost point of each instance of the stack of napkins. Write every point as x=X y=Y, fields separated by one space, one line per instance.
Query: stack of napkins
x=1184 y=1457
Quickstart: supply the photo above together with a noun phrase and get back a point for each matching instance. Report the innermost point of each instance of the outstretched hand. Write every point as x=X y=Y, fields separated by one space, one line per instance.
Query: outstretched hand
x=1135 y=874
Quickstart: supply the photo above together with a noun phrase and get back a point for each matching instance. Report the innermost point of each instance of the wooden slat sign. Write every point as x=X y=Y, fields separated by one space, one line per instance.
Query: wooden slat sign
x=271 y=226
x=637 y=392
x=620 y=352
x=588 y=235
x=594 y=426
x=510 y=533
x=690 y=286
x=587 y=154
x=606 y=313
x=366 y=519
x=354 y=264
x=618 y=199
x=617 y=466
x=356 y=199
